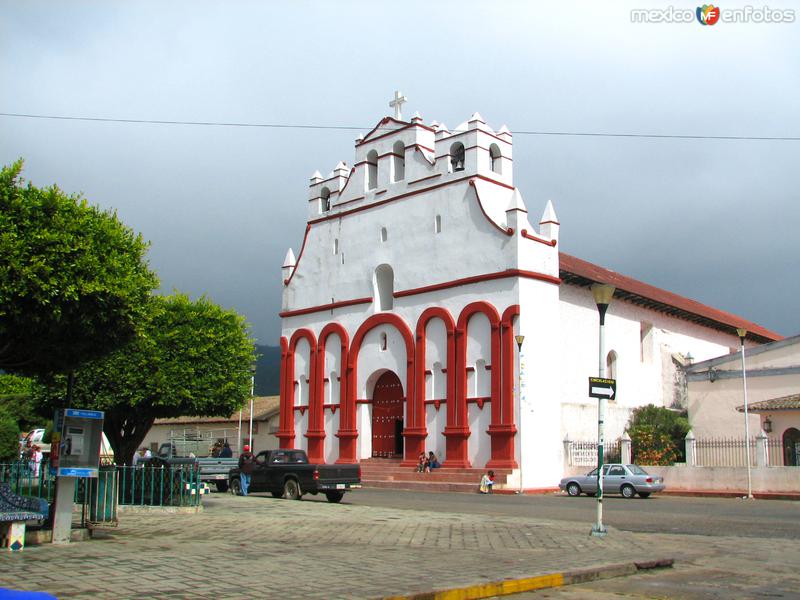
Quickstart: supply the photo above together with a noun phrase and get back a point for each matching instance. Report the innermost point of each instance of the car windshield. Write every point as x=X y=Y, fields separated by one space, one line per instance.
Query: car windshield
x=636 y=470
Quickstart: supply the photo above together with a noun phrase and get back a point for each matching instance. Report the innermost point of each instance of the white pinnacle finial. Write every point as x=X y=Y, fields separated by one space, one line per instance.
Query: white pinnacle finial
x=397 y=104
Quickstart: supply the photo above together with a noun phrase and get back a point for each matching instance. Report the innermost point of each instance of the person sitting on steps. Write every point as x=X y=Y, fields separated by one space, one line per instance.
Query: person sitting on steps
x=487 y=483
x=433 y=462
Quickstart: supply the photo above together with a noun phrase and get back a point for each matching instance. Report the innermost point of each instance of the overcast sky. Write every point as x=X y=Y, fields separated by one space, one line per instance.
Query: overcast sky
x=712 y=220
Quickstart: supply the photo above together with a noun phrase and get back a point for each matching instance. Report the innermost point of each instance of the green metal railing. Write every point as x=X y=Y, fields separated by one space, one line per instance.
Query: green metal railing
x=142 y=485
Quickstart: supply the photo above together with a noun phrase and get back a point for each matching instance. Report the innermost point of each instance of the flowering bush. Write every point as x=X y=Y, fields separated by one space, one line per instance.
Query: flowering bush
x=657 y=435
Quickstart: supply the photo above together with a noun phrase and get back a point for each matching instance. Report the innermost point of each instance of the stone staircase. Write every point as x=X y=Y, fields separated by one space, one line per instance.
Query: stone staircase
x=387 y=473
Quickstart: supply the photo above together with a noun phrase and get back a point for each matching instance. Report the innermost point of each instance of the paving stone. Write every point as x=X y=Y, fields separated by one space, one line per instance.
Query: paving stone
x=265 y=547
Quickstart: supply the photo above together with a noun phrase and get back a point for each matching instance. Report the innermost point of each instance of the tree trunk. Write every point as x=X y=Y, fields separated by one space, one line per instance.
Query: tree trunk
x=125 y=430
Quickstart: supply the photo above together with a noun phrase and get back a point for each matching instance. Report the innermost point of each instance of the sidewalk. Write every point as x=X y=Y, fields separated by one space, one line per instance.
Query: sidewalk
x=263 y=547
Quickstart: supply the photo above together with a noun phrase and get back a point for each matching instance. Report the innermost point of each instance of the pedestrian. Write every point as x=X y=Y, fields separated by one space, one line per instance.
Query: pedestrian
x=433 y=462
x=226 y=451
x=246 y=467
x=147 y=453
x=487 y=483
x=36 y=460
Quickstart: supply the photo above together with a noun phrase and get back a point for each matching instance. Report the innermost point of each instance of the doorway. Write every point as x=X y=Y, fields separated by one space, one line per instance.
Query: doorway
x=791 y=447
x=387 y=417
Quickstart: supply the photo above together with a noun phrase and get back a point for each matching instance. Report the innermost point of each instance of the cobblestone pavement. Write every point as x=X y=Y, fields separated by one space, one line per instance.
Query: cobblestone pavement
x=264 y=547
x=714 y=568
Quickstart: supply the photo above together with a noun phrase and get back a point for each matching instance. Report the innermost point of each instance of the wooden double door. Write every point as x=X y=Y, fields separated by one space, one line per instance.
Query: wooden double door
x=387 y=416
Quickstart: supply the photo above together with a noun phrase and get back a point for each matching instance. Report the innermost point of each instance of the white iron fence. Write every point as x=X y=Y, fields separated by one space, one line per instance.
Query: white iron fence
x=703 y=452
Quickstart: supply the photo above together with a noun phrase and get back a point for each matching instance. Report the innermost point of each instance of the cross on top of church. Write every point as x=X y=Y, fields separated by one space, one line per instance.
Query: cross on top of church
x=397 y=104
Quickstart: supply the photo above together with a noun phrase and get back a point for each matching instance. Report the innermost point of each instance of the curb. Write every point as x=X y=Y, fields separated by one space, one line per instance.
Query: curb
x=540 y=582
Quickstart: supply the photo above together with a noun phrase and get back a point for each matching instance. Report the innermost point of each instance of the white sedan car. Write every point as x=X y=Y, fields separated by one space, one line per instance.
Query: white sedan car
x=627 y=480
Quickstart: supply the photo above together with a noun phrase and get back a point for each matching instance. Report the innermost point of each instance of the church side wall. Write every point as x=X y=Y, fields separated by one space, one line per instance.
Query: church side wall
x=643 y=341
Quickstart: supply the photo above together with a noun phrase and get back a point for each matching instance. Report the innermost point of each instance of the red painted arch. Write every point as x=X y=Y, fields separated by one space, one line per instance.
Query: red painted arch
x=416 y=408
x=286 y=433
x=316 y=421
x=457 y=430
x=347 y=420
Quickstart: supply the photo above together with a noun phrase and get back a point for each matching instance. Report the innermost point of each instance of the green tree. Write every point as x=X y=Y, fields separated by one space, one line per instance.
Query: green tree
x=73 y=279
x=16 y=400
x=9 y=437
x=190 y=358
x=657 y=435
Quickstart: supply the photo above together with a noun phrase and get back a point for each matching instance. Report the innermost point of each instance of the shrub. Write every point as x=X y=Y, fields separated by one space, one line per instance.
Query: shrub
x=657 y=435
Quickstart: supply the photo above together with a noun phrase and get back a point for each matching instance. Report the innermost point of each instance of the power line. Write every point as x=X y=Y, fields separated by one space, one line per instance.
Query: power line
x=353 y=128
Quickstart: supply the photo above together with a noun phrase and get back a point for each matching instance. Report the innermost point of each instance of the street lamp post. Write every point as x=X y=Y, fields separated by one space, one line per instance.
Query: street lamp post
x=519 y=339
x=602 y=293
x=742 y=333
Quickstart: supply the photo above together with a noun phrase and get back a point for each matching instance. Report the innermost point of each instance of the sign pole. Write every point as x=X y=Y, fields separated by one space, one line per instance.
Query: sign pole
x=602 y=294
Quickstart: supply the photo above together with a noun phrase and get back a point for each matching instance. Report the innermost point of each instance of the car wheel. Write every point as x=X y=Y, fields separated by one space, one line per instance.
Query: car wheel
x=277 y=494
x=236 y=487
x=291 y=490
x=573 y=489
x=334 y=497
x=644 y=494
x=628 y=491
x=222 y=486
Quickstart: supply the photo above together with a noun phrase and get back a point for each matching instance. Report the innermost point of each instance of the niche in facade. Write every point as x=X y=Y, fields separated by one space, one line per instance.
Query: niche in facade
x=384 y=288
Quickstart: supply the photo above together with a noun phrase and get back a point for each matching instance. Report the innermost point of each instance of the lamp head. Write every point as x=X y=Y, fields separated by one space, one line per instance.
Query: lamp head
x=519 y=339
x=741 y=332
x=602 y=293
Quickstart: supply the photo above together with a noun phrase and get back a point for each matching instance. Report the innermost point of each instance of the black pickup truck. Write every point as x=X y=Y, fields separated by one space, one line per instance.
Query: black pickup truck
x=288 y=474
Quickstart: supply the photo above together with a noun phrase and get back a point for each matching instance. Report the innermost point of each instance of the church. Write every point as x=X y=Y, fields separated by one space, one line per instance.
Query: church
x=426 y=310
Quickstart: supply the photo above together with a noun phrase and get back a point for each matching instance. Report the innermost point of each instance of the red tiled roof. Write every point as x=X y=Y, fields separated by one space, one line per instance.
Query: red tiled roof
x=775 y=404
x=580 y=272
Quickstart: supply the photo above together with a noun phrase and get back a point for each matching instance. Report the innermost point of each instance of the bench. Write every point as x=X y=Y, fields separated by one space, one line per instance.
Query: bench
x=15 y=511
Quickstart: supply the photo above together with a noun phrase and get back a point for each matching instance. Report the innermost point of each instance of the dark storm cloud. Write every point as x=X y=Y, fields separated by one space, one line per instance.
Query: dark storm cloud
x=712 y=220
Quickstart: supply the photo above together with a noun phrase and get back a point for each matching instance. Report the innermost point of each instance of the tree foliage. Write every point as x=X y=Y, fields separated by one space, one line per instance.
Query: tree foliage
x=657 y=435
x=190 y=358
x=9 y=437
x=16 y=400
x=74 y=282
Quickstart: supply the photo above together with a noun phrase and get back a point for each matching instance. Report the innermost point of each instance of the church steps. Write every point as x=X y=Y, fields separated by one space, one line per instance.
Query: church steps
x=426 y=486
x=389 y=474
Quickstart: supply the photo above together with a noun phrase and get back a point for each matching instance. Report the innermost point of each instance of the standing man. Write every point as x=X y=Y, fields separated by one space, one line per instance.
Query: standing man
x=246 y=468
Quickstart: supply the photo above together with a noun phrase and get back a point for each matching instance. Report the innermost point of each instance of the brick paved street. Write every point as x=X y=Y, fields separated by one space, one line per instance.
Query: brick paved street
x=263 y=547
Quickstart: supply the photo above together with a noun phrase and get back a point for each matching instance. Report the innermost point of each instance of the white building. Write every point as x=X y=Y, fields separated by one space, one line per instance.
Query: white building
x=418 y=268
x=716 y=395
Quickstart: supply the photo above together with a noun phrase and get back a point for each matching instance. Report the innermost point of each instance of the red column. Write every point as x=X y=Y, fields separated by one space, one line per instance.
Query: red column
x=285 y=433
x=457 y=430
x=315 y=435
x=348 y=433
x=502 y=430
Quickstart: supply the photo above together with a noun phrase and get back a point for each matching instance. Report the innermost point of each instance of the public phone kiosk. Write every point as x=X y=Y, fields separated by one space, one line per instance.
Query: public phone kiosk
x=81 y=433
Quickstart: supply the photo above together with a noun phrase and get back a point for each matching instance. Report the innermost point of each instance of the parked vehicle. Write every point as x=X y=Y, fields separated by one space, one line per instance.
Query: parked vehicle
x=213 y=469
x=288 y=474
x=627 y=480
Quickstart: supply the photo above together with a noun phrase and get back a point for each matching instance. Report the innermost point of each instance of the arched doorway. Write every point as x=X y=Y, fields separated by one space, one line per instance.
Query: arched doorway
x=387 y=416
x=791 y=447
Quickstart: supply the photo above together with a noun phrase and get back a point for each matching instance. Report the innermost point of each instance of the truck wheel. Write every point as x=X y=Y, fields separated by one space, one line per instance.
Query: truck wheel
x=222 y=486
x=236 y=487
x=291 y=490
x=334 y=497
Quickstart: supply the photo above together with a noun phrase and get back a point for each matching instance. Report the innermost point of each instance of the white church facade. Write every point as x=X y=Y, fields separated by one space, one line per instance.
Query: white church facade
x=419 y=266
